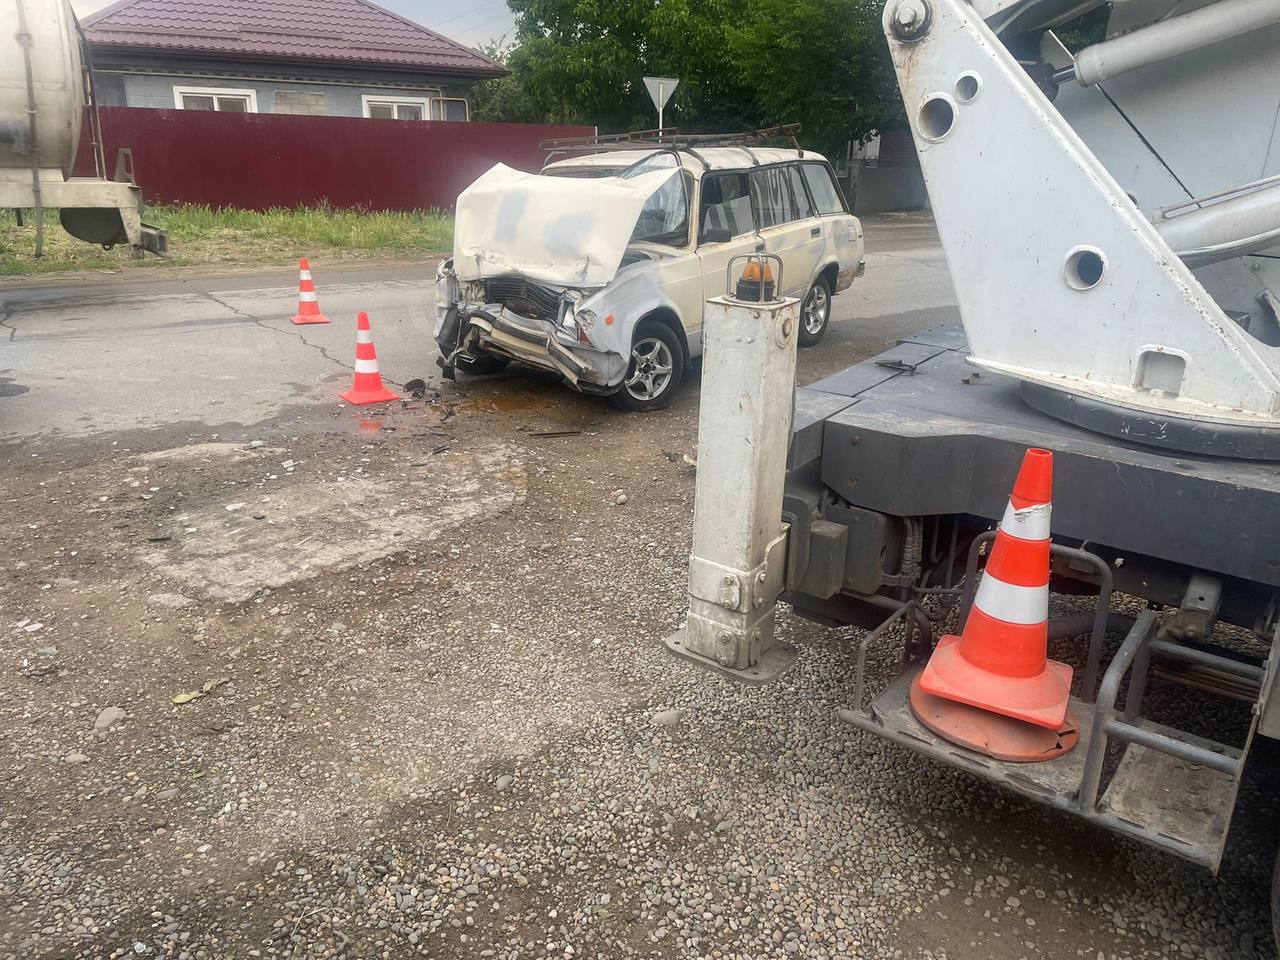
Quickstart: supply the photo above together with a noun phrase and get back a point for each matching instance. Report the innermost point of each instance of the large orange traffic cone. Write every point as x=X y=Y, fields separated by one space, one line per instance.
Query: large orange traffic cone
x=308 y=308
x=1000 y=662
x=368 y=386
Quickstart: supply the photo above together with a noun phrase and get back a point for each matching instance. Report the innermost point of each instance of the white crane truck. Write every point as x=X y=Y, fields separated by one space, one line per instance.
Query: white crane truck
x=1111 y=221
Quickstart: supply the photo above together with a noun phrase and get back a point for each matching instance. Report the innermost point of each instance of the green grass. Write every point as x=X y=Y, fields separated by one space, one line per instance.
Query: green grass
x=202 y=235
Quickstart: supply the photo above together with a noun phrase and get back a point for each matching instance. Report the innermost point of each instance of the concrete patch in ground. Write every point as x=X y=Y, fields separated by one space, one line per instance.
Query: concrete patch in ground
x=230 y=549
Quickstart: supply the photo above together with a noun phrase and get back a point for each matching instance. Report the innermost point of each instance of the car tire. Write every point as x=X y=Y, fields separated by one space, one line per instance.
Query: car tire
x=815 y=312
x=481 y=366
x=655 y=370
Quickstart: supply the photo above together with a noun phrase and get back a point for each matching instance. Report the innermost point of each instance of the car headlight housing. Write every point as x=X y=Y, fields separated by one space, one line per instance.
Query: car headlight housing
x=575 y=320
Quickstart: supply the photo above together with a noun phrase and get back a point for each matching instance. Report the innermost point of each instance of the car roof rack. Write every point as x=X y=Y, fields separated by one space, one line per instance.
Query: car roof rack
x=671 y=139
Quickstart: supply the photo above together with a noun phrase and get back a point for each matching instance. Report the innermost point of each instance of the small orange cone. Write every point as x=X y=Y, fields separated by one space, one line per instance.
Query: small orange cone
x=308 y=308
x=1000 y=662
x=368 y=386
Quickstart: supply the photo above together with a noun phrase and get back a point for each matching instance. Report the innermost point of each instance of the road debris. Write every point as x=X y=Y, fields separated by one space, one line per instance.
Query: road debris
x=209 y=686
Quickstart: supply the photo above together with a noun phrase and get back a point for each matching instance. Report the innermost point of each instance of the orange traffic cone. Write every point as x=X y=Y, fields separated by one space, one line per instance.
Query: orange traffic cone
x=999 y=664
x=308 y=308
x=368 y=386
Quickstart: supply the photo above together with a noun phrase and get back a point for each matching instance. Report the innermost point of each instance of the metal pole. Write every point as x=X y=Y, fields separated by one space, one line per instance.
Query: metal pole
x=24 y=38
x=1169 y=38
x=738 y=563
x=1223 y=229
x=661 y=101
x=95 y=120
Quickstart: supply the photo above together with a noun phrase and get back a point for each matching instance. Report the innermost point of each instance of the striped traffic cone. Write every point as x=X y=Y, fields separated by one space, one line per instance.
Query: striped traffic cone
x=308 y=308
x=368 y=386
x=1000 y=662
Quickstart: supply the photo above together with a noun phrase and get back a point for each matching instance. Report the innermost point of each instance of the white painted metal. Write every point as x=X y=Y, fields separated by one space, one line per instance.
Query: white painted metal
x=56 y=75
x=1060 y=278
x=660 y=91
x=76 y=193
x=1153 y=127
x=1173 y=37
x=744 y=429
x=1210 y=230
x=557 y=230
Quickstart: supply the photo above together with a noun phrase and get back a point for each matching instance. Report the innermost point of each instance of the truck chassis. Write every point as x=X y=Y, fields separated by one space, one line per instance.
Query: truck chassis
x=897 y=473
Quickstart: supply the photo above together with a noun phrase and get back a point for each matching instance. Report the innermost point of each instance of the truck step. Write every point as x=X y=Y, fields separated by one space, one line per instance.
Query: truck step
x=1185 y=802
x=1173 y=803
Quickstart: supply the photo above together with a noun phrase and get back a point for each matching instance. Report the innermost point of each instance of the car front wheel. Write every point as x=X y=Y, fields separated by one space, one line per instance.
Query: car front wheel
x=815 y=313
x=655 y=371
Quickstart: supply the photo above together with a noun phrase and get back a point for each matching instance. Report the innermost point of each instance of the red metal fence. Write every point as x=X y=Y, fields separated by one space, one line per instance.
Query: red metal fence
x=257 y=160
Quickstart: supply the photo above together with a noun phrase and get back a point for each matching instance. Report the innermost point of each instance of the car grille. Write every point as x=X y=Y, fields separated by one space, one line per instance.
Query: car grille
x=523 y=297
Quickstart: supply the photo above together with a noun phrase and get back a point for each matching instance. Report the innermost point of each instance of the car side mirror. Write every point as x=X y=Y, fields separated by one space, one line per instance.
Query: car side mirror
x=716 y=235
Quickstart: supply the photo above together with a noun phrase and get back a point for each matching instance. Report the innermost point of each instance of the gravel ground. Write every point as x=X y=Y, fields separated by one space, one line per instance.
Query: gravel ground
x=464 y=739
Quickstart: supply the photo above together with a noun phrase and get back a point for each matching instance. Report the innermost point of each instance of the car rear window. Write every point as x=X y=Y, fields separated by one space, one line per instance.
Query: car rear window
x=773 y=193
x=823 y=187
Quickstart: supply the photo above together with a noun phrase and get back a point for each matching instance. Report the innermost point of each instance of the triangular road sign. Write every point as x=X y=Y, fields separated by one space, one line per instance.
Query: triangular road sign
x=660 y=89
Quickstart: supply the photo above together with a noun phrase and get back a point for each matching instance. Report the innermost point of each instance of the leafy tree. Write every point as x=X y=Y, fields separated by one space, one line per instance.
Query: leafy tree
x=741 y=65
x=505 y=99
x=1086 y=29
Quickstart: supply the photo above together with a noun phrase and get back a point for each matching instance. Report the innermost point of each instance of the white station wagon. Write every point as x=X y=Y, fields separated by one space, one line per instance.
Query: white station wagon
x=598 y=267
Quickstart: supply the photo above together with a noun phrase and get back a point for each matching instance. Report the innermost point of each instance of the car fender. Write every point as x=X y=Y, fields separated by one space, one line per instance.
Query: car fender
x=828 y=263
x=637 y=292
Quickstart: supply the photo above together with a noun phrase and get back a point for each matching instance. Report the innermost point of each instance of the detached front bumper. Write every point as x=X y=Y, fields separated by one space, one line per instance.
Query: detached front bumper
x=492 y=328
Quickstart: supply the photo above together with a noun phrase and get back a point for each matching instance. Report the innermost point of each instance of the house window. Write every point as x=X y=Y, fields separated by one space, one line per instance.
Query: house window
x=449 y=108
x=396 y=108
x=301 y=104
x=222 y=99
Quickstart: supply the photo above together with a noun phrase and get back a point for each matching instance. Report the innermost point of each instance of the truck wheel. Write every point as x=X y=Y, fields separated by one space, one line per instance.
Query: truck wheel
x=479 y=366
x=815 y=313
x=655 y=370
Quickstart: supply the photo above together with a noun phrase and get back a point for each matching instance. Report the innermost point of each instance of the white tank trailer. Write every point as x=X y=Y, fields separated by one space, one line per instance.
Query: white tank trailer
x=44 y=89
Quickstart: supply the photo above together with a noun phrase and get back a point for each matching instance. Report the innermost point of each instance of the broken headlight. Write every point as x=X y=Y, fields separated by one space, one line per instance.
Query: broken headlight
x=576 y=321
x=586 y=320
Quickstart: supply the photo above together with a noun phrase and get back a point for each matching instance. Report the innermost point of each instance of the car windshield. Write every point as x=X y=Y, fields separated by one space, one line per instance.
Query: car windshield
x=665 y=215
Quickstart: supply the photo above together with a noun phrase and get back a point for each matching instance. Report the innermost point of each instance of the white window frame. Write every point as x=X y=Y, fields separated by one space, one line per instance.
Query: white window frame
x=246 y=92
x=444 y=109
x=423 y=102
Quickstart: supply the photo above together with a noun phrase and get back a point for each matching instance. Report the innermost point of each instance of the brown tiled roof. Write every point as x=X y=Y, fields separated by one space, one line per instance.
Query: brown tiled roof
x=315 y=31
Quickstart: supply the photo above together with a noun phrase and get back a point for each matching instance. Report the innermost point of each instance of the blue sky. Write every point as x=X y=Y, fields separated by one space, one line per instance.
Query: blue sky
x=480 y=21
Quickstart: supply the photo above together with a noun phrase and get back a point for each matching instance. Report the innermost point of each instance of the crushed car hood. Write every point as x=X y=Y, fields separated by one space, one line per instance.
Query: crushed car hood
x=560 y=230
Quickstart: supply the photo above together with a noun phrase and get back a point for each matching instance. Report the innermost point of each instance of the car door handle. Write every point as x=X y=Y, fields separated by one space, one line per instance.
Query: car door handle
x=815 y=232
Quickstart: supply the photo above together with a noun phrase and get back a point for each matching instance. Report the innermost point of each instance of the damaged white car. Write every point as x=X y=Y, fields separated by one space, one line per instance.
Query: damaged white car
x=598 y=267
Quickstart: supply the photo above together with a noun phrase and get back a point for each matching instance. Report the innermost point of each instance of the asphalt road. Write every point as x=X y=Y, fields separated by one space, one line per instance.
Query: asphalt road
x=121 y=355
